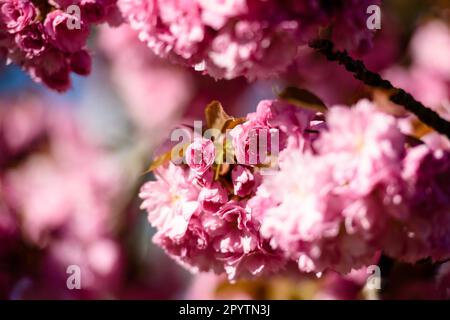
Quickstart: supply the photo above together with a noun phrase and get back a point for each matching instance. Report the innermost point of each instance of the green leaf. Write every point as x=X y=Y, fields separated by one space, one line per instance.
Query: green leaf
x=302 y=98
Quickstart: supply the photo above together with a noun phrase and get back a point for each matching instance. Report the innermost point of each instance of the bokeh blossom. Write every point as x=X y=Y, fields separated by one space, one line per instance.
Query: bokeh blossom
x=64 y=207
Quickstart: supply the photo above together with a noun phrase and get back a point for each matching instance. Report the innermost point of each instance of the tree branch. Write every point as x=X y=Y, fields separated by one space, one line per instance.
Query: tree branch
x=398 y=96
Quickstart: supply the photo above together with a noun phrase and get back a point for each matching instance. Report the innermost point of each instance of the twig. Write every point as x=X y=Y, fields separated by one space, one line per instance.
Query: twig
x=398 y=96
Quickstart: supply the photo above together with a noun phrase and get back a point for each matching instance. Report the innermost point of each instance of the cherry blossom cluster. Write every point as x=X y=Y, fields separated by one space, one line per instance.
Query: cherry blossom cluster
x=202 y=216
x=361 y=190
x=48 y=38
x=252 y=38
x=61 y=215
x=344 y=186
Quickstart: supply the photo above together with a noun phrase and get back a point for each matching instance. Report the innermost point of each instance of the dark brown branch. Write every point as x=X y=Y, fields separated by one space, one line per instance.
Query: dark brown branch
x=398 y=96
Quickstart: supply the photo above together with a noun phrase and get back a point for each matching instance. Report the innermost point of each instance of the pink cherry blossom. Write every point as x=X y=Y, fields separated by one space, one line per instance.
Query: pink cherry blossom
x=200 y=155
x=274 y=121
x=47 y=40
x=212 y=197
x=32 y=40
x=202 y=231
x=81 y=63
x=61 y=36
x=17 y=14
x=331 y=208
x=216 y=13
x=171 y=201
x=305 y=218
x=233 y=38
x=366 y=145
x=244 y=181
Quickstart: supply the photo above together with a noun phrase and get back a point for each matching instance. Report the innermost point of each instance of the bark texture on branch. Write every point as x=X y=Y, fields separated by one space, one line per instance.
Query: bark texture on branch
x=398 y=95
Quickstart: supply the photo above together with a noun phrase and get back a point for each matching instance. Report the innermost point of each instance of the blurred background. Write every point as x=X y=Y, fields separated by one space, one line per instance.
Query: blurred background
x=71 y=164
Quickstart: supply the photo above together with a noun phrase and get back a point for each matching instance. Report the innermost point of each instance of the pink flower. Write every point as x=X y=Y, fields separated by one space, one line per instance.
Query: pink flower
x=436 y=141
x=233 y=212
x=232 y=38
x=94 y=11
x=427 y=169
x=244 y=181
x=167 y=26
x=236 y=241
x=81 y=63
x=212 y=197
x=223 y=237
x=47 y=41
x=17 y=14
x=304 y=210
x=99 y=261
x=250 y=48
x=350 y=17
x=274 y=126
x=61 y=36
x=32 y=40
x=170 y=201
x=52 y=69
x=216 y=13
x=333 y=208
x=367 y=145
x=200 y=155
x=341 y=195
x=62 y=4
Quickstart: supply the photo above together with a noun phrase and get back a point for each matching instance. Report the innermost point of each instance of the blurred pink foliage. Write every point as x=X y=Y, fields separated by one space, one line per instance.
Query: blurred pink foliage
x=146 y=82
x=61 y=188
